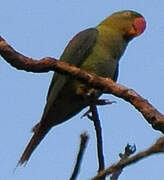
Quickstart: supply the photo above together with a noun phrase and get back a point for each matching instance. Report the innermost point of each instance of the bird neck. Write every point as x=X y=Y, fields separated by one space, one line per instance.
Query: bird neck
x=112 y=39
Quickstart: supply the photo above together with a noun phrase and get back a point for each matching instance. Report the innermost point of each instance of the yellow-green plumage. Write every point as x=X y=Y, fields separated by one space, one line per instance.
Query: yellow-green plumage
x=95 y=50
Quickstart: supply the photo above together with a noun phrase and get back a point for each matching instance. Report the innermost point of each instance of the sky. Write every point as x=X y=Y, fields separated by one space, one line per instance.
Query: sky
x=43 y=28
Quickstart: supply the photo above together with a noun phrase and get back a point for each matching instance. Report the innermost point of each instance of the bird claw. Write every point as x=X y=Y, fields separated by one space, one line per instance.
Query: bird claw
x=102 y=102
x=96 y=102
x=87 y=113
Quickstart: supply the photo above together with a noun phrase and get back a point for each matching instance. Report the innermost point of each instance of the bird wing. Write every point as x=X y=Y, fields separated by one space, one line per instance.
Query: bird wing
x=116 y=73
x=75 y=53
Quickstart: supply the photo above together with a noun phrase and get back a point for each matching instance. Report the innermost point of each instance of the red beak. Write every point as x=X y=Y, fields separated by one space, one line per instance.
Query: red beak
x=139 y=25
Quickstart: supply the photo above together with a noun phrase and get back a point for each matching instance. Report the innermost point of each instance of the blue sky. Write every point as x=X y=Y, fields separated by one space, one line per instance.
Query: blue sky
x=43 y=28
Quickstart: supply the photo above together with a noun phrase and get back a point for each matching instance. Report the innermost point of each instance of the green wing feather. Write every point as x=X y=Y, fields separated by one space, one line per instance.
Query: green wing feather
x=75 y=53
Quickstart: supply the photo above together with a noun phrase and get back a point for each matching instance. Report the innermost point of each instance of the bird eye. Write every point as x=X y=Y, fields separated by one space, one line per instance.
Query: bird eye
x=127 y=14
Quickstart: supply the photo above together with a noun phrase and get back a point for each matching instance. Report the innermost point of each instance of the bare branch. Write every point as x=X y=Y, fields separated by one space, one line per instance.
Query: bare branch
x=83 y=143
x=127 y=152
x=97 y=125
x=158 y=147
x=21 y=62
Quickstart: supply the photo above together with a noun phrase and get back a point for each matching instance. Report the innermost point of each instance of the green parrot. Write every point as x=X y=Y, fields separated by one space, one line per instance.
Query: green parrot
x=96 y=50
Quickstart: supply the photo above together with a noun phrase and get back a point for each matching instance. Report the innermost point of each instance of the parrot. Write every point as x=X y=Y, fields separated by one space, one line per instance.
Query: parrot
x=96 y=50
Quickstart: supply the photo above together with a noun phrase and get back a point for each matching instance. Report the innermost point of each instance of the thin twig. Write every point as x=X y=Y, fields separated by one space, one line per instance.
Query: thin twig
x=106 y=85
x=98 y=130
x=129 y=150
x=158 y=147
x=95 y=118
x=83 y=143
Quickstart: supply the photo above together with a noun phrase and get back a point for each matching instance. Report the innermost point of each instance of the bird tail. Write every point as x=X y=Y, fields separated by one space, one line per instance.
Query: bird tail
x=39 y=133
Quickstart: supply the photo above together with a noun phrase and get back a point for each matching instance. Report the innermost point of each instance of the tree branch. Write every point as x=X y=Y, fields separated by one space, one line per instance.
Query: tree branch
x=97 y=125
x=158 y=147
x=106 y=85
x=83 y=143
x=129 y=150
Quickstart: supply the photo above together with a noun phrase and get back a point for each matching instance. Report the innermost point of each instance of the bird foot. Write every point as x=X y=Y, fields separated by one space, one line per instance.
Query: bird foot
x=87 y=114
x=102 y=102
x=97 y=102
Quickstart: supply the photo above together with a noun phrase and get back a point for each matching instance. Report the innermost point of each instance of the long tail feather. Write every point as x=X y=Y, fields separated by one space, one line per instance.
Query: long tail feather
x=39 y=134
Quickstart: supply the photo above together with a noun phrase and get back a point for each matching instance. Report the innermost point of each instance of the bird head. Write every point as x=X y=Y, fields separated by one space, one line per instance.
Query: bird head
x=128 y=23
